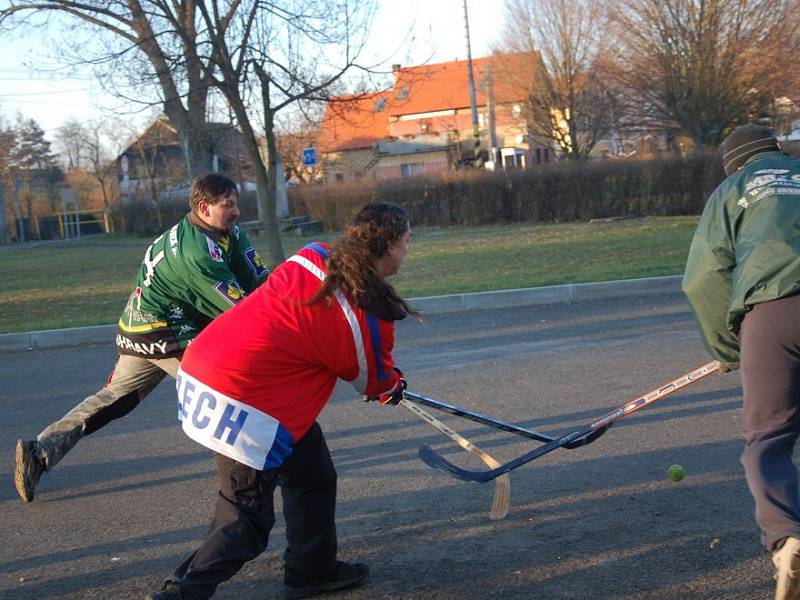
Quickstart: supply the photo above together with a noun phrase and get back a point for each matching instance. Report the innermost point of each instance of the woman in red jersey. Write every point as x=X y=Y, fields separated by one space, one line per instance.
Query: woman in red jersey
x=253 y=383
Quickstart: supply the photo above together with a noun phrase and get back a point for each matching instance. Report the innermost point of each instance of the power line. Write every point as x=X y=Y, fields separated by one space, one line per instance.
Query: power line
x=45 y=103
x=50 y=93
x=33 y=80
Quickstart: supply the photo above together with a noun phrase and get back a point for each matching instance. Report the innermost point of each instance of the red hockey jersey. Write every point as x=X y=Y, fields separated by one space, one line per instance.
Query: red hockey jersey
x=254 y=381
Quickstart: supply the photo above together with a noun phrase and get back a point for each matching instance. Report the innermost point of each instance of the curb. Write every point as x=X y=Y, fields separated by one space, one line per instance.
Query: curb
x=429 y=305
x=551 y=294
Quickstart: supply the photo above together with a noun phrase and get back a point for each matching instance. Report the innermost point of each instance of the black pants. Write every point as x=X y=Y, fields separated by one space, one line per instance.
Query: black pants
x=244 y=516
x=770 y=363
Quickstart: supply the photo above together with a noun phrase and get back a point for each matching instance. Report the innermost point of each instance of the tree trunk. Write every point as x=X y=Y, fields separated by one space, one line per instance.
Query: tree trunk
x=194 y=138
x=3 y=227
x=273 y=163
x=265 y=196
x=199 y=151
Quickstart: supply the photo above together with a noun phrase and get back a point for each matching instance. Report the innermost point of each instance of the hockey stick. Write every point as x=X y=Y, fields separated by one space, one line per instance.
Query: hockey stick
x=477 y=417
x=435 y=460
x=496 y=423
x=502 y=490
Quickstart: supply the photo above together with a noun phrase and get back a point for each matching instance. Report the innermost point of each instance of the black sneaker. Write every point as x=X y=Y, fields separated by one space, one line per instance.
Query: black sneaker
x=170 y=591
x=341 y=576
x=28 y=470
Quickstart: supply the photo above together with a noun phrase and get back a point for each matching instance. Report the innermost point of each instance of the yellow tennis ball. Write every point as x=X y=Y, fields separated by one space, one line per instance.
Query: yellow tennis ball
x=676 y=472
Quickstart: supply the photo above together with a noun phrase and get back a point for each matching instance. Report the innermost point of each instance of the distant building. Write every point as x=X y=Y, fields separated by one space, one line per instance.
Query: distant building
x=154 y=164
x=423 y=123
x=787 y=120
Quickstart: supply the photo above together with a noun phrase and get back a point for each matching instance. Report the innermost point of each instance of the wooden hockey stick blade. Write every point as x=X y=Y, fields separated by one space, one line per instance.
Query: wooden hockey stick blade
x=435 y=460
x=502 y=490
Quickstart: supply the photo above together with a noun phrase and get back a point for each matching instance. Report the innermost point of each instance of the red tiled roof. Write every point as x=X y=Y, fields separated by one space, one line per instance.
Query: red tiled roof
x=352 y=122
x=445 y=86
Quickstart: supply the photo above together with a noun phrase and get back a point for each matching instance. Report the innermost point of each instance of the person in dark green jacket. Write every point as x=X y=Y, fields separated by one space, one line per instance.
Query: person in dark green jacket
x=191 y=273
x=742 y=281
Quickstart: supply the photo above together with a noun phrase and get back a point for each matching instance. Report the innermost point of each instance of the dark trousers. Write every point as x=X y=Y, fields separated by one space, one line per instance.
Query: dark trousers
x=770 y=366
x=244 y=516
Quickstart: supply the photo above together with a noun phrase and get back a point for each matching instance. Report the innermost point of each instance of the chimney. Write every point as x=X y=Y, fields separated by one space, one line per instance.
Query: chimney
x=395 y=71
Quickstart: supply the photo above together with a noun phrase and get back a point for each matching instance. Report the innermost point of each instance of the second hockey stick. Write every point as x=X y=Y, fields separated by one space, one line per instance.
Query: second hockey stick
x=496 y=423
x=437 y=461
x=502 y=491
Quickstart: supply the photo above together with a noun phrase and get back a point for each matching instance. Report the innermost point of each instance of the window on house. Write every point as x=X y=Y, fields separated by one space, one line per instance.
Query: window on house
x=380 y=104
x=403 y=92
x=338 y=176
x=410 y=169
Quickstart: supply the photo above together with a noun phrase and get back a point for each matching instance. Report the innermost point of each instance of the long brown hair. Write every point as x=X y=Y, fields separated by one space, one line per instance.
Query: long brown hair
x=351 y=262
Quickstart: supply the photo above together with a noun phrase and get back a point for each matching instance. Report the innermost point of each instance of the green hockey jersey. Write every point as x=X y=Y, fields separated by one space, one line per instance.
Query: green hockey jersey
x=189 y=275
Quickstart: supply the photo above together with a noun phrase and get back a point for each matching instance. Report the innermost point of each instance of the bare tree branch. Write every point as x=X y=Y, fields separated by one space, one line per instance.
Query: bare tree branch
x=702 y=67
x=567 y=103
x=166 y=39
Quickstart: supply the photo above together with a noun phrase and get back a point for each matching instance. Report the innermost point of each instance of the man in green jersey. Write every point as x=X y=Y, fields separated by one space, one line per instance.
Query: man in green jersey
x=190 y=274
x=742 y=281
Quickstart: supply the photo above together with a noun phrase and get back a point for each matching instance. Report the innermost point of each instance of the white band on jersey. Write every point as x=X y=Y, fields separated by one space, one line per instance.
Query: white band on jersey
x=233 y=428
x=360 y=382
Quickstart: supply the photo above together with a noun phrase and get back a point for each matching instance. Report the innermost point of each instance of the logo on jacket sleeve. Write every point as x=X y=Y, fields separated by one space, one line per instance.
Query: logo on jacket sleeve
x=230 y=290
x=256 y=262
x=214 y=250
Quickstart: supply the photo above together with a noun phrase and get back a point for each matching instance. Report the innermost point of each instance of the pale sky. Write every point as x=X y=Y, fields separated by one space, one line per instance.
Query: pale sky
x=437 y=35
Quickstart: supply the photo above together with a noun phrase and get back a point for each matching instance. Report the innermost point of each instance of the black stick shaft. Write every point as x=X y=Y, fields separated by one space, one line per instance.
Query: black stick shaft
x=477 y=417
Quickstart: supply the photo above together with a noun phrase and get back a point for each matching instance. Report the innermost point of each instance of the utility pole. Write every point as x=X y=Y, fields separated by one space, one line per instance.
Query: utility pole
x=18 y=208
x=3 y=230
x=476 y=131
x=493 y=150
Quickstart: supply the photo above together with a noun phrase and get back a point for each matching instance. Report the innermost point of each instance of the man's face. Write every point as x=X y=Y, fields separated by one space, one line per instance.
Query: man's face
x=221 y=215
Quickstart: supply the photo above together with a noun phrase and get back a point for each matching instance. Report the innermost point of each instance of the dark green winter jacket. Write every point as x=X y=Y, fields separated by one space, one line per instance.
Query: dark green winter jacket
x=746 y=249
x=189 y=275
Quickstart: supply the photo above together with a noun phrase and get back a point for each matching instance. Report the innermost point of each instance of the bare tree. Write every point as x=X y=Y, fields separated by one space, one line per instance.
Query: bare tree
x=559 y=42
x=279 y=55
x=68 y=143
x=6 y=143
x=702 y=67
x=140 y=42
x=83 y=147
x=263 y=56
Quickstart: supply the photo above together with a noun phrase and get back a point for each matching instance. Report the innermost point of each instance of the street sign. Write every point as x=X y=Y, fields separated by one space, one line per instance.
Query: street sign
x=309 y=157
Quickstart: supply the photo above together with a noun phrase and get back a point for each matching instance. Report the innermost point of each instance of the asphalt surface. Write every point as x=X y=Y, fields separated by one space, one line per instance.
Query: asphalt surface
x=130 y=502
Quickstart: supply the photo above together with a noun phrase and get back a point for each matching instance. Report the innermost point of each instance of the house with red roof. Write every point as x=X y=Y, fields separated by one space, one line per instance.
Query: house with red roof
x=423 y=123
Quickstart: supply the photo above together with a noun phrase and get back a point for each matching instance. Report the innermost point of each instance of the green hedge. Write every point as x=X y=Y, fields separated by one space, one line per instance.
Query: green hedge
x=558 y=192
x=555 y=193
x=141 y=216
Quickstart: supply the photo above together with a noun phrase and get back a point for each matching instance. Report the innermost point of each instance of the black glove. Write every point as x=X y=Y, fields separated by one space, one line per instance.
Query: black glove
x=727 y=367
x=393 y=397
